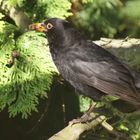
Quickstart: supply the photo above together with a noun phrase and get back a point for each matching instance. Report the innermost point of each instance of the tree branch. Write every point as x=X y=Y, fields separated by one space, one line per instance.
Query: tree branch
x=16 y=14
x=20 y=18
x=118 y=43
x=73 y=132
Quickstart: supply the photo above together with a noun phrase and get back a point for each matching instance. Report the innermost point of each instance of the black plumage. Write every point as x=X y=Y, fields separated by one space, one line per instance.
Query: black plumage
x=86 y=66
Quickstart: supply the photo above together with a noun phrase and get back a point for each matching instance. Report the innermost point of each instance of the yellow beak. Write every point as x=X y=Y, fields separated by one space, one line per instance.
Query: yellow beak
x=38 y=27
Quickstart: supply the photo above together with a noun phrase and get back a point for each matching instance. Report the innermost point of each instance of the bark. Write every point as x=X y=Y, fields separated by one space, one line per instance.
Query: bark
x=118 y=43
x=16 y=14
x=74 y=132
x=20 y=18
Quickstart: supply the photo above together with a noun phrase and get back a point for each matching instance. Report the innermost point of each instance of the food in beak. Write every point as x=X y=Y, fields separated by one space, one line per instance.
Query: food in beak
x=38 y=27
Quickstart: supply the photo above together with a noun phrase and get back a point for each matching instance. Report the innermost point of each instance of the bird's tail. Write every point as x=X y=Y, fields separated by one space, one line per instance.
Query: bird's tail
x=124 y=106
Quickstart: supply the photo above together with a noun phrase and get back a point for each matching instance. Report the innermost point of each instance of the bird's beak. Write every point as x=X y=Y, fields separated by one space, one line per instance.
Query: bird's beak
x=38 y=27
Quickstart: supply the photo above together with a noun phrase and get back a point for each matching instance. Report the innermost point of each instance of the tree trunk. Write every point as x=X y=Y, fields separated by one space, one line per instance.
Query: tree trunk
x=16 y=14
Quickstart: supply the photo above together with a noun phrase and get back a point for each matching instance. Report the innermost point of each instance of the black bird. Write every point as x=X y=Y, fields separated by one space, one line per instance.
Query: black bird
x=86 y=66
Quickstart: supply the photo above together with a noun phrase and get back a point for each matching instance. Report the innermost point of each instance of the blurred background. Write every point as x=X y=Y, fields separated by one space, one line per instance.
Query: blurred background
x=35 y=101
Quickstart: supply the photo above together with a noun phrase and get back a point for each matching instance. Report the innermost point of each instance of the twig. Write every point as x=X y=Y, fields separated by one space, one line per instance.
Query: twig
x=111 y=130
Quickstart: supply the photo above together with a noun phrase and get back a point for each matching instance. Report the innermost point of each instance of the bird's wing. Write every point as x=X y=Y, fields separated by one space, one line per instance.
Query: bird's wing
x=107 y=77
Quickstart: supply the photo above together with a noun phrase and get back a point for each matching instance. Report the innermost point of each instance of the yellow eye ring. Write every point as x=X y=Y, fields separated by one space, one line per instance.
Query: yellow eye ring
x=49 y=26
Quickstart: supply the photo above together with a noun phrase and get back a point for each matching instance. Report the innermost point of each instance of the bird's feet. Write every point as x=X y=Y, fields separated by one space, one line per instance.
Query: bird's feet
x=85 y=118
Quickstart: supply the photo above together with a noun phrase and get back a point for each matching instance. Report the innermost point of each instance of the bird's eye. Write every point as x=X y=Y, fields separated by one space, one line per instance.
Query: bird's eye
x=49 y=26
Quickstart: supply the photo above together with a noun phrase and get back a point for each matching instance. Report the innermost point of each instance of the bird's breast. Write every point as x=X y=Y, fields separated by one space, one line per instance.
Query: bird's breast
x=63 y=64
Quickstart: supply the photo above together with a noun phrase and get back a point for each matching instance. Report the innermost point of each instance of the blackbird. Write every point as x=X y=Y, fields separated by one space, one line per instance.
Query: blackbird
x=92 y=70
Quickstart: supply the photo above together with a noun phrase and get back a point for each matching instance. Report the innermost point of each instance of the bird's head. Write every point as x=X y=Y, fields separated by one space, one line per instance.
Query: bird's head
x=55 y=29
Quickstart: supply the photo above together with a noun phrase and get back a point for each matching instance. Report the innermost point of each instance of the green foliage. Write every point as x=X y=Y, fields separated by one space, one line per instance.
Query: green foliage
x=100 y=17
x=133 y=128
x=16 y=2
x=1 y=15
x=126 y=123
x=132 y=6
x=130 y=14
x=85 y=103
x=40 y=9
x=130 y=56
x=54 y=10
x=110 y=18
x=31 y=75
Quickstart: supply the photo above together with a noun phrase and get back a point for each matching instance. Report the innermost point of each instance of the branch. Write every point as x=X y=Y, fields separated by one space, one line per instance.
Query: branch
x=118 y=43
x=20 y=18
x=16 y=14
x=73 y=132
x=111 y=130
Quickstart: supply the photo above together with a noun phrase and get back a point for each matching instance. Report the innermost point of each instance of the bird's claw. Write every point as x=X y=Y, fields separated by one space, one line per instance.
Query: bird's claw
x=85 y=118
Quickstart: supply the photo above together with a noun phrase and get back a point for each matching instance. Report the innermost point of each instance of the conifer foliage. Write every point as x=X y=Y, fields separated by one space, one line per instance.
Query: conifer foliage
x=26 y=68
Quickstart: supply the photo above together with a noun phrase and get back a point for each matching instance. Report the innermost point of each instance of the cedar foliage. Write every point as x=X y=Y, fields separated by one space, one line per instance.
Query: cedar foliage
x=30 y=76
